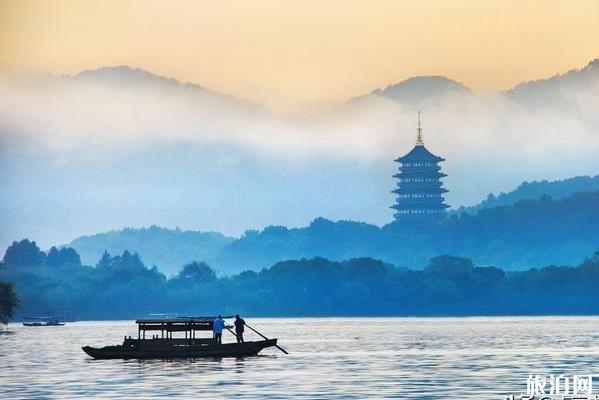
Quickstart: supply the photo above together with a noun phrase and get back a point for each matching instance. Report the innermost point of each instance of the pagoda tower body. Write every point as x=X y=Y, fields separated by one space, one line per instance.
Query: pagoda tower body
x=419 y=189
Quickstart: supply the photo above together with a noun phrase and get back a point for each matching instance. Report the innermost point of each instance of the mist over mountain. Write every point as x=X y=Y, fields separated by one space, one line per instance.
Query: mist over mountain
x=118 y=147
x=128 y=78
x=415 y=91
x=551 y=91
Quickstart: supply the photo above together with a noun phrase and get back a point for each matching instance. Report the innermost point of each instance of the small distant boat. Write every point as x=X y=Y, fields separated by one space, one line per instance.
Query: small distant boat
x=43 y=321
x=165 y=346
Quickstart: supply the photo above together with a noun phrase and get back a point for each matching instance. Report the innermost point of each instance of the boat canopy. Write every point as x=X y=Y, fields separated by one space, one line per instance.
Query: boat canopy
x=179 y=324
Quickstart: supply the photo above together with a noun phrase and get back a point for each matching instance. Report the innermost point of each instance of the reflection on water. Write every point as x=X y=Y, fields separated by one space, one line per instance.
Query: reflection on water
x=329 y=357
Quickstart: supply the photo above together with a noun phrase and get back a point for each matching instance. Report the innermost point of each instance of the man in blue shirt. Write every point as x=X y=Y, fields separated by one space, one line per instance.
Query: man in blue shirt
x=217 y=329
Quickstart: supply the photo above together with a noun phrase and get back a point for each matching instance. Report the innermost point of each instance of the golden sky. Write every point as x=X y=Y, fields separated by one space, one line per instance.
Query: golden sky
x=299 y=52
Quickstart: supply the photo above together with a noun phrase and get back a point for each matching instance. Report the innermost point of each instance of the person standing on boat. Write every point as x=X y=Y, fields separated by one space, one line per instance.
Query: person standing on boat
x=217 y=329
x=239 y=328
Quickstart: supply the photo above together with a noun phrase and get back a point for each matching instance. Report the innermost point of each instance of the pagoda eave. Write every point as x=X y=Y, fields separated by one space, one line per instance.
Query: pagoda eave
x=430 y=190
x=406 y=175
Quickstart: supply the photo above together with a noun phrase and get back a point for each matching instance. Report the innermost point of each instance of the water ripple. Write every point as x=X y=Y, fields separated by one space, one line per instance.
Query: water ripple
x=404 y=358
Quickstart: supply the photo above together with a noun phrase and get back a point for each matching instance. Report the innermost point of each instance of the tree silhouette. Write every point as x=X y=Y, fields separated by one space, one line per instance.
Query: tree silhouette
x=8 y=300
x=24 y=253
x=197 y=272
x=67 y=256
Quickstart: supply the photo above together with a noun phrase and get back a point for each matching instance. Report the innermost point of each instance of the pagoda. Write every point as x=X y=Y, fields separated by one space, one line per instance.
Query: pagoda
x=419 y=190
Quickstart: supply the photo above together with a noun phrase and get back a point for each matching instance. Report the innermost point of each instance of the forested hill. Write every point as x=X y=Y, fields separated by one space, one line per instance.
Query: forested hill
x=535 y=189
x=166 y=248
x=530 y=233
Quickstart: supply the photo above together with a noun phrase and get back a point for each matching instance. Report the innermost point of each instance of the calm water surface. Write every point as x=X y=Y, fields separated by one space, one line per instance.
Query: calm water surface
x=408 y=358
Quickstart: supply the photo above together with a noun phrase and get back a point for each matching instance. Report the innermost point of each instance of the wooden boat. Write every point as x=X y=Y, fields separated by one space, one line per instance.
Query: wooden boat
x=165 y=346
x=42 y=321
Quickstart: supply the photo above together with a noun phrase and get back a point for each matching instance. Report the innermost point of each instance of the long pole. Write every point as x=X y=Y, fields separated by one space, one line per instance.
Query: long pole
x=276 y=345
x=232 y=333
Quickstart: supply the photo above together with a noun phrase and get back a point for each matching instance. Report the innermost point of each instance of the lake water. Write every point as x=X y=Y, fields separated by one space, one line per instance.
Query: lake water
x=408 y=358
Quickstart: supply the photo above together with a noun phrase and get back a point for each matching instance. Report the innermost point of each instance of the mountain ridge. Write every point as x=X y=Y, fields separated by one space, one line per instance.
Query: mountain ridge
x=411 y=90
x=128 y=77
x=552 y=90
x=418 y=89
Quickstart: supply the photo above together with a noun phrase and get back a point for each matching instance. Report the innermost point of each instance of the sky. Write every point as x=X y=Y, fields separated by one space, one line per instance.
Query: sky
x=291 y=55
x=81 y=156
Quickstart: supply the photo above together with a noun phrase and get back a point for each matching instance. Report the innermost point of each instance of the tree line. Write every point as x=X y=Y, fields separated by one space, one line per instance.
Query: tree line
x=121 y=286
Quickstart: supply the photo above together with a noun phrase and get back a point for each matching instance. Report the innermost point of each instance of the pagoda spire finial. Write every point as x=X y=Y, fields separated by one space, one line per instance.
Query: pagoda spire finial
x=419 y=141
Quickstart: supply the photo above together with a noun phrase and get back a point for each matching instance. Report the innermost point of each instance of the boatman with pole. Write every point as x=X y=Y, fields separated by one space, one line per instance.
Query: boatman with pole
x=217 y=329
x=239 y=328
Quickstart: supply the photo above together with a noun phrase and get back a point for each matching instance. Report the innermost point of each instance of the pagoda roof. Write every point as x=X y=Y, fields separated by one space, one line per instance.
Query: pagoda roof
x=419 y=153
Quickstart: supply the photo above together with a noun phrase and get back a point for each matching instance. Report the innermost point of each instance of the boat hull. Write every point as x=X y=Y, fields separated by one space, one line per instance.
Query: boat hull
x=151 y=352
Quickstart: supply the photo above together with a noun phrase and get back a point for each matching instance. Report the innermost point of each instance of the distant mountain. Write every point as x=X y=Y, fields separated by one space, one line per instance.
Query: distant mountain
x=125 y=77
x=554 y=91
x=414 y=91
x=551 y=91
x=535 y=190
x=169 y=249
